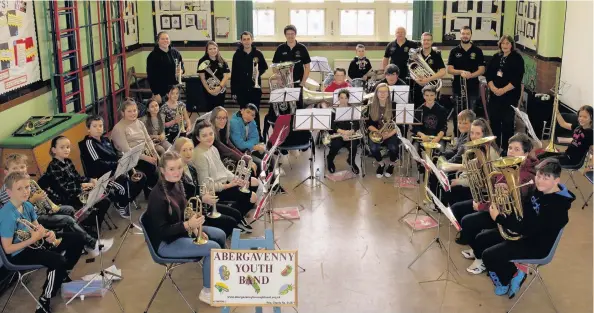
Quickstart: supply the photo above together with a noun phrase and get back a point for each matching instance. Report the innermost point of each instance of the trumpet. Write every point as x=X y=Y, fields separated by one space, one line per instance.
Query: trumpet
x=328 y=138
x=255 y=73
x=243 y=172
x=378 y=135
x=83 y=197
x=208 y=188
x=24 y=235
x=181 y=125
x=429 y=147
x=149 y=150
x=189 y=212
x=212 y=81
x=45 y=205
x=418 y=68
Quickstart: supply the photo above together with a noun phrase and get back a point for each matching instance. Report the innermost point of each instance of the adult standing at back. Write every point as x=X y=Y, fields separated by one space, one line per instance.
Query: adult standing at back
x=161 y=67
x=397 y=52
x=292 y=50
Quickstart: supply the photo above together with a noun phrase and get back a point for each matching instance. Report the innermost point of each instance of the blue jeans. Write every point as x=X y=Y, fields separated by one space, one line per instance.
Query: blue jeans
x=393 y=143
x=185 y=248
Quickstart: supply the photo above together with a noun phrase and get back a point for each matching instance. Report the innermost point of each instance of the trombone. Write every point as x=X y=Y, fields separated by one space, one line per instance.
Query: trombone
x=429 y=147
x=551 y=129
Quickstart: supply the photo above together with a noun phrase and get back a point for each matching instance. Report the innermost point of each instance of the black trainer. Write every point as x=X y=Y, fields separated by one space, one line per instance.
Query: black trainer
x=330 y=164
x=380 y=171
x=45 y=306
x=389 y=170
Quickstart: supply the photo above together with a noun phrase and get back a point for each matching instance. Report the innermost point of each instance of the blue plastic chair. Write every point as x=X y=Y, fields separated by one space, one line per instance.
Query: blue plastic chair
x=169 y=264
x=573 y=169
x=533 y=265
x=22 y=271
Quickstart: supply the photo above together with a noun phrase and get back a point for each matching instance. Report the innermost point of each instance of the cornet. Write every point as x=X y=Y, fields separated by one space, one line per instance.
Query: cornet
x=256 y=73
x=24 y=235
x=45 y=205
x=208 y=188
x=378 y=136
x=189 y=212
x=243 y=173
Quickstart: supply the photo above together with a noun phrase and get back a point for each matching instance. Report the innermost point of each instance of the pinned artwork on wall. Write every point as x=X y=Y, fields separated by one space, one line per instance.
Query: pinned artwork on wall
x=19 y=56
x=527 y=20
x=184 y=20
x=130 y=22
x=483 y=17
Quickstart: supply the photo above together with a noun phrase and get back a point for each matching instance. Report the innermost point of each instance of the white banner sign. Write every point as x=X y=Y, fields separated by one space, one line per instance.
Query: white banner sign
x=254 y=277
x=19 y=64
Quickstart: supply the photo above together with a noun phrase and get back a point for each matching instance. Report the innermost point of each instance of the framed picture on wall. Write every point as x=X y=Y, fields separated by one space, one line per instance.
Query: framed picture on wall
x=176 y=22
x=165 y=22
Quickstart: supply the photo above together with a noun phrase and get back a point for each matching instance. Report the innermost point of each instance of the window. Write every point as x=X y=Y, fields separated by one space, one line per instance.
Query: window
x=263 y=22
x=401 y=18
x=357 y=1
x=308 y=22
x=401 y=1
x=263 y=1
x=307 y=1
x=357 y=22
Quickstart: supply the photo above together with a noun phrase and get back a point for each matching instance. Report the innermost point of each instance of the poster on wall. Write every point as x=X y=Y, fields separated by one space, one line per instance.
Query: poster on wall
x=483 y=17
x=19 y=63
x=184 y=20
x=527 y=20
x=130 y=22
x=254 y=277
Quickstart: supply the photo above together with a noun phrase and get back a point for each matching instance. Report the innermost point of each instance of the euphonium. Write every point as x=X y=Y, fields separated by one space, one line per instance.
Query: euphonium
x=429 y=147
x=212 y=81
x=551 y=146
x=476 y=162
x=507 y=198
x=189 y=212
x=418 y=68
x=208 y=188
x=24 y=235
x=377 y=136
x=45 y=205
x=243 y=173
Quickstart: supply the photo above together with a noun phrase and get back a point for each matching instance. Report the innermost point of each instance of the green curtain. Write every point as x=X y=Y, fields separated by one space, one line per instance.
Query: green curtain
x=422 y=18
x=245 y=18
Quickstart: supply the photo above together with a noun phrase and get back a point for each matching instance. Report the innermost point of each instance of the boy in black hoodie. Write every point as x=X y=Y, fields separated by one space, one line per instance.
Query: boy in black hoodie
x=99 y=157
x=545 y=215
x=360 y=65
x=242 y=75
x=160 y=67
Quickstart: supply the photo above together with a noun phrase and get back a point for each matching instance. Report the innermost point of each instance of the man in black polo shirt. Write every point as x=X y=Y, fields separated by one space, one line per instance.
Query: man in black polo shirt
x=397 y=52
x=467 y=61
x=294 y=51
x=434 y=60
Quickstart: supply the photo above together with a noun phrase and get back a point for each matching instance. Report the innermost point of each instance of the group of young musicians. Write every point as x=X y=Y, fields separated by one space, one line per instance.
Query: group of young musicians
x=181 y=160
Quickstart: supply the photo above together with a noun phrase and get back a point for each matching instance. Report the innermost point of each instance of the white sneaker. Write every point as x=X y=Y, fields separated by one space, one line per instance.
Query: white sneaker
x=476 y=267
x=468 y=254
x=204 y=295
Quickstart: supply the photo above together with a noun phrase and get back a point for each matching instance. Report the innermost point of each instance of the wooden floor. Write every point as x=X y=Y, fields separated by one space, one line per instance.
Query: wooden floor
x=355 y=253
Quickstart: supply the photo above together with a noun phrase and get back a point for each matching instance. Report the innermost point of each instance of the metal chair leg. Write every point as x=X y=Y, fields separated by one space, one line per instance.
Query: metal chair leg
x=523 y=292
x=180 y=293
x=587 y=200
x=21 y=276
x=547 y=291
x=11 y=293
x=157 y=290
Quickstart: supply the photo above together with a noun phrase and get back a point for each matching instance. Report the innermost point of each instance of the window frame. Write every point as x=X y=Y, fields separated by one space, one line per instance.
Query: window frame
x=375 y=25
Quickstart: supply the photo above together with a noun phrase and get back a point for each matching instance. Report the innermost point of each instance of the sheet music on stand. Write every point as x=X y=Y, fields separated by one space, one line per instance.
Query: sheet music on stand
x=399 y=93
x=95 y=195
x=129 y=160
x=410 y=148
x=320 y=64
x=447 y=211
x=285 y=95
x=524 y=117
x=313 y=119
x=352 y=113
x=356 y=95
x=441 y=175
x=405 y=113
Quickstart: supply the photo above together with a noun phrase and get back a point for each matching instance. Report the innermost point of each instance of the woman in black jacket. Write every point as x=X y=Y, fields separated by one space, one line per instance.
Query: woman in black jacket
x=160 y=67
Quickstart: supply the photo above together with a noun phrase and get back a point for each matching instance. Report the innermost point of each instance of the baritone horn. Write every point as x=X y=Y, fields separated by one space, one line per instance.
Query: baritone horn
x=378 y=135
x=191 y=211
x=418 y=68
x=208 y=188
x=45 y=205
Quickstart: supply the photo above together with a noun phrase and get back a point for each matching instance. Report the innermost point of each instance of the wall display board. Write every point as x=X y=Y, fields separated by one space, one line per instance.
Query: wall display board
x=19 y=57
x=130 y=22
x=184 y=20
x=527 y=20
x=484 y=17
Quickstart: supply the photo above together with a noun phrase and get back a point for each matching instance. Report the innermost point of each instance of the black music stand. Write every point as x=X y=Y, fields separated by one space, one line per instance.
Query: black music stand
x=96 y=195
x=126 y=163
x=283 y=96
x=312 y=119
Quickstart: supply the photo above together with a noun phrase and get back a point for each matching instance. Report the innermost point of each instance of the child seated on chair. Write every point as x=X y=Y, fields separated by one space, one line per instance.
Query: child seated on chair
x=345 y=129
x=99 y=157
x=583 y=134
x=155 y=126
x=244 y=131
x=380 y=114
x=13 y=216
x=339 y=81
x=545 y=215
x=62 y=219
x=167 y=228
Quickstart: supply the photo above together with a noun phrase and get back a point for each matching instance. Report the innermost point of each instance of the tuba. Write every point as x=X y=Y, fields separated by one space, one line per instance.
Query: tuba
x=507 y=198
x=377 y=136
x=189 y=212
x=208 y=188
x=418 y=68
x=478 y=166
x=46 y=205
x=212 y=81
x=282 y=77
x=24 y=235
x=243 y=172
